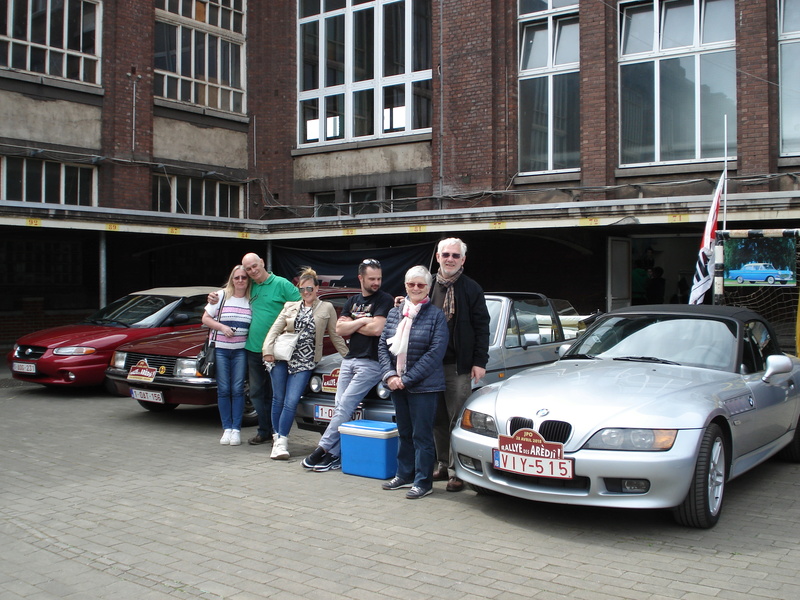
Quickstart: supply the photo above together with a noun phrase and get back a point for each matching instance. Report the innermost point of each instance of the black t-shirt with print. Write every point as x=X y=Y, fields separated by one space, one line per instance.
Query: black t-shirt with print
x=375 y=305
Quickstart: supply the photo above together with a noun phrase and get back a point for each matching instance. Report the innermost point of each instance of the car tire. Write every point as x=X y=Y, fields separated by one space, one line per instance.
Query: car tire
x=740 y=279
x=156 y=407
x=703 y=503
x=791 y=452
x=770 y=280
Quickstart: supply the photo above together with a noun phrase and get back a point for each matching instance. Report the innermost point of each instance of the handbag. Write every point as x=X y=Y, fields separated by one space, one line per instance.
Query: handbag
x=207 y=359
x=284 y=345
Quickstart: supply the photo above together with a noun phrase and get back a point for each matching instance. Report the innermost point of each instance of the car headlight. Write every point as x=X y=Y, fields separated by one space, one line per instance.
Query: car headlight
x=382 y=391
x=644 y=440
x=73 y=350
x=315 y=384
x=186 y=367
x=118 y=359
x=478 y=422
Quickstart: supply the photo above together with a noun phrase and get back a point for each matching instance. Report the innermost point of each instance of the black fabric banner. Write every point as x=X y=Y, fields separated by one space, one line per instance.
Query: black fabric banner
x=339 y=268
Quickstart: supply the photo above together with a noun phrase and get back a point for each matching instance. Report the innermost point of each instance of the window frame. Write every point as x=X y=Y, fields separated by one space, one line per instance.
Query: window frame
x=182 y=193
x=330 y=91
x=69 y=174
x=787 y=96
x=700 y=53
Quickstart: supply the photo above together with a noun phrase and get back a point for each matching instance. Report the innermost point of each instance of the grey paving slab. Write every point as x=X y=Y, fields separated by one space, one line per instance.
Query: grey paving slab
x=100 y=499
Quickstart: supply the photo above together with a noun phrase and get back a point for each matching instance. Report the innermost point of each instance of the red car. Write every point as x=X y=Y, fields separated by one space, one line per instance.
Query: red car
x=77 y=355
x=161 y=372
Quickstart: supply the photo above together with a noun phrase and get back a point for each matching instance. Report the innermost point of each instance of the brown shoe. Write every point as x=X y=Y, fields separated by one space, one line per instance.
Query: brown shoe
x=258 y=439
x=454 y=485
x=440 y=473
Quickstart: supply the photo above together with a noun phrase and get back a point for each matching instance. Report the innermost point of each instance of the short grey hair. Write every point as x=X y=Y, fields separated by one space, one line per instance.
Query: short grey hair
x=418 y=271
x=451 y=242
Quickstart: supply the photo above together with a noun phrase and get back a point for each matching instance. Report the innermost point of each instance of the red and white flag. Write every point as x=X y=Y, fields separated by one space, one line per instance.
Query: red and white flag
x=704 y=271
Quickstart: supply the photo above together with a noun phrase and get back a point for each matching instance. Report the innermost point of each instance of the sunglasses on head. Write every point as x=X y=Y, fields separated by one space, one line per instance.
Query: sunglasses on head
x=449 y=254
x=371 y=262
x=306 y=288
x=414 y=284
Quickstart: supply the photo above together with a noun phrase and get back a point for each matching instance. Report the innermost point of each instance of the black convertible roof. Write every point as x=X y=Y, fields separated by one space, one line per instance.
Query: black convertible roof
x=708 y=310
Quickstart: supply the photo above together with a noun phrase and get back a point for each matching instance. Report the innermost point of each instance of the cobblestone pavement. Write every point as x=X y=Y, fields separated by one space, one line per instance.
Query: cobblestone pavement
x=102 y=499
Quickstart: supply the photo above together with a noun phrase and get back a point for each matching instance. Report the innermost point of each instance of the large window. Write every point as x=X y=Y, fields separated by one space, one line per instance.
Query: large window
x=364 y=69
x=199 y=52
x=789 y=28
x=192 y=196
x=45 y=181
x=549 y=95
x=60 y=38
x=677 y=81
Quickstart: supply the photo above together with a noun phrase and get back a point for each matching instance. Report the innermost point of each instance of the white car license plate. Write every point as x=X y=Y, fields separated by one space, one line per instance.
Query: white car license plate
x=323 y=412
x=557 y=468
x=147 y=396
x=19 y=367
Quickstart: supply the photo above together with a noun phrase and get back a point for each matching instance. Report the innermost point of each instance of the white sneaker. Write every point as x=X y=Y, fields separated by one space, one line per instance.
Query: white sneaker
x=226 y=437
x=280 y=449
x=236 y=438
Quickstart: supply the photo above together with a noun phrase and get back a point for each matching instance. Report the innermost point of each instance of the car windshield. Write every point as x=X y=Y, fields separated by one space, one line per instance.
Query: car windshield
x=136 y=310
x=694 y=341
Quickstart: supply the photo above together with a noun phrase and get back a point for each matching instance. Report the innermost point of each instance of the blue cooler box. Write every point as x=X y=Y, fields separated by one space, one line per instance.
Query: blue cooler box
x=369 y=448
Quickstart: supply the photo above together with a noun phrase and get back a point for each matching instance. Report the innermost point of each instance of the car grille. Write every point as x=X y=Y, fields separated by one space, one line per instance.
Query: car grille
x=30 y=352
x=153 y=361
x=551 y=431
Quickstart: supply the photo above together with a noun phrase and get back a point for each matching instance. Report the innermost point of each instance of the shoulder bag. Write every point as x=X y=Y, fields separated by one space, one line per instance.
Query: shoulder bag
x=207 y=359
x=285 y=344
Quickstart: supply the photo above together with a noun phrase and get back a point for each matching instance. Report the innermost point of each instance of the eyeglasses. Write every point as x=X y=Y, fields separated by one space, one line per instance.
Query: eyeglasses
x=307 y=288
x=371 y=262
x=414 y=284
x=455 y=255
x=240 y=277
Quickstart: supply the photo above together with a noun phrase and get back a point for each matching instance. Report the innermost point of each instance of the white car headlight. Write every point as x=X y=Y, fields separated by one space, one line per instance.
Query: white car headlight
x=118 y=359
x=382 y=391
x=644 y=440
x=73 y=350
x=478 y=422
x=315 y=383
x=186 y=367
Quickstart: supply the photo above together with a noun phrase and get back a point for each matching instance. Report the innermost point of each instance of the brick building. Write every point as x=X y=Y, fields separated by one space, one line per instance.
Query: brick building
x=155 y=142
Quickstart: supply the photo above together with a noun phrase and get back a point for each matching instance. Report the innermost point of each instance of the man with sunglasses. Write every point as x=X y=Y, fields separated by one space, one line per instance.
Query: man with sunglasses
x=268 y=294
x=362 y=318
x=464 y=306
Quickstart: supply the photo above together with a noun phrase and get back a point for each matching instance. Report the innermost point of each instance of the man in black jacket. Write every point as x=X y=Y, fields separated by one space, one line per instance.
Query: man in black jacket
x=464 y=306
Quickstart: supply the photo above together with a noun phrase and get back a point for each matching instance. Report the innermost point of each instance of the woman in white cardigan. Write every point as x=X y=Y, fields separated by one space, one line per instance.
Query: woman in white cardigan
x=312 y=318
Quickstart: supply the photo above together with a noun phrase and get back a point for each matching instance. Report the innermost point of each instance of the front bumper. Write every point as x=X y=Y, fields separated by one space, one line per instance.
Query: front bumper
x=199 y=391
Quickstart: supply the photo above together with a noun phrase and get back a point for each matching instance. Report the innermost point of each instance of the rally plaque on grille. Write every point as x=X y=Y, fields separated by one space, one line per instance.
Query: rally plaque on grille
x=527 y=453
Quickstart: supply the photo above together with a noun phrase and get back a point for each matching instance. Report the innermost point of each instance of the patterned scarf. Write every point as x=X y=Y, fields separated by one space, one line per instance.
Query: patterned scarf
x=449 y=306
x=398 y=343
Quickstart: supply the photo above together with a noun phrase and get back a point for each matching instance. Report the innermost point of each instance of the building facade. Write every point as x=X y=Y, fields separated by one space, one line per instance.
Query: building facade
x=155 y=142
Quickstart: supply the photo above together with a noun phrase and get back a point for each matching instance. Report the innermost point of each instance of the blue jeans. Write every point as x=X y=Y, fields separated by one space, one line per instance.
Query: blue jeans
x=416 y=453
x=231 y=373
x=260 y=392
x=286 y=392
x=357 y=376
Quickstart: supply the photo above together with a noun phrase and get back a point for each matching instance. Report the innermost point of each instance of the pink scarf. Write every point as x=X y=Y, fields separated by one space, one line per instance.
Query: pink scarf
x=398 y=344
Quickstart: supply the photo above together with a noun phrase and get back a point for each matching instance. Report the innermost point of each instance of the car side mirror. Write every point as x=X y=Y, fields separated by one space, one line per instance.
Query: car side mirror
x=777 y=364
x=531 y=339
x=562 y=349
x=177 y=319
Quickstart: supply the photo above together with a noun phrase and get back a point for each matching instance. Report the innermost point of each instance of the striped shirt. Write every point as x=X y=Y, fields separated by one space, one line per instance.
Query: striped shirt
x=237 y=315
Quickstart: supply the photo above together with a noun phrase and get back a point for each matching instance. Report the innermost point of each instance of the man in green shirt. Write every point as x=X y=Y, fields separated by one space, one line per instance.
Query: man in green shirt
x=268 y=294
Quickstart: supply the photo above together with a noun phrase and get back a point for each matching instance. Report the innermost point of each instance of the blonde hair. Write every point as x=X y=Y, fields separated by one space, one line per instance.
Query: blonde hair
x=229 y=289
x=307 y=273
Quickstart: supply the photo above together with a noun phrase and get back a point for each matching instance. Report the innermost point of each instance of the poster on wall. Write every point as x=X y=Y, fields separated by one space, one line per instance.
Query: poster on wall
x=760 y=261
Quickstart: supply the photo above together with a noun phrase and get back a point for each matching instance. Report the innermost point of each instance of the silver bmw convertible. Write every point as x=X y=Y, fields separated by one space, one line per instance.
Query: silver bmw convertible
x=653 y=407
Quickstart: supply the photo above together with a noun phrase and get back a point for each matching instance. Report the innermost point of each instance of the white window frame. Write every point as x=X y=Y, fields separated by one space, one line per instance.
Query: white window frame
x=171 y=183
x=556 y=13
x=228 y=97
x=62 y=181
x=789 y=94
x=696 y=50
x=344 y=132
x=58 y=60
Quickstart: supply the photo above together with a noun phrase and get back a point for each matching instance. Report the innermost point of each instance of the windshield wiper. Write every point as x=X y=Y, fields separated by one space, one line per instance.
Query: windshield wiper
x=109 y=322
x=651 y=359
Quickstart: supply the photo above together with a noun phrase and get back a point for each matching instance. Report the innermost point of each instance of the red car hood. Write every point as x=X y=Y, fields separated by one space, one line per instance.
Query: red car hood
x=177 y=343
x=96 y=336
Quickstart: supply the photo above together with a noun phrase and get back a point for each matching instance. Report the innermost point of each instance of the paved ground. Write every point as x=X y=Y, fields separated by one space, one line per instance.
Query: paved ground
x=100 y=499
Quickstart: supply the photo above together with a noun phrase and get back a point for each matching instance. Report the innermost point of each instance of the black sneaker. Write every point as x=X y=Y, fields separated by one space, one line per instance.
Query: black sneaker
x=396 y=484
x=312 y=460
x=329 y=462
